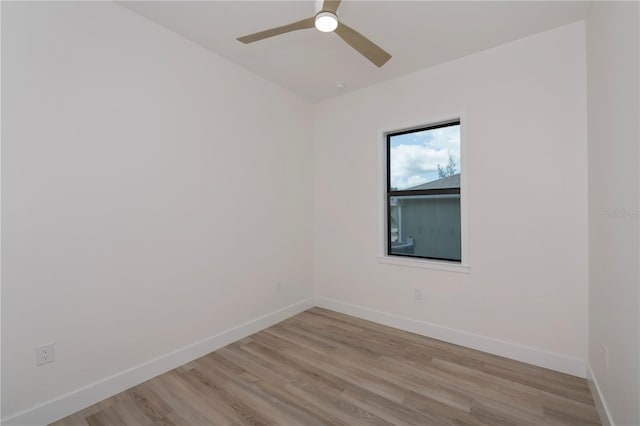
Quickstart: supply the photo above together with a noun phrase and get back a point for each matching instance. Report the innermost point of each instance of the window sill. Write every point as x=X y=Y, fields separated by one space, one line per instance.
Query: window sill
x=425 y=264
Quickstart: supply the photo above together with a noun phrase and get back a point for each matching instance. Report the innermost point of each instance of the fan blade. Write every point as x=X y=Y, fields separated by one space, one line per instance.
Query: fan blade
x=366 y=47
x=331 y=6
x=299 y=25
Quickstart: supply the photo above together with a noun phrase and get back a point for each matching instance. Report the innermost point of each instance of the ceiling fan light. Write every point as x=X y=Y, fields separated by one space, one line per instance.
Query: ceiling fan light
x=326 y=22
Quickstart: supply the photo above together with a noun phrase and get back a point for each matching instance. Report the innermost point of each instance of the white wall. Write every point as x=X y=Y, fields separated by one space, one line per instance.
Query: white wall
x=153 y=195
x=524 y=107
x=613 y=36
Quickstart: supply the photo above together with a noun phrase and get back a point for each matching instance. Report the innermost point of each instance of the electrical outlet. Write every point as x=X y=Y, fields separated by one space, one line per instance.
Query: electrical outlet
x=606 y=357
x=45 y=354
x=417 y=293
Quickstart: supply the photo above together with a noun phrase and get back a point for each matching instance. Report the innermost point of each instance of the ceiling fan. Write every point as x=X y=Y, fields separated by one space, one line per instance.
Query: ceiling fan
x=327 y=21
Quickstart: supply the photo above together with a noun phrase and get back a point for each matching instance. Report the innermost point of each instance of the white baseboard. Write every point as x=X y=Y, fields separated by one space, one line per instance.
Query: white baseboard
x=550 y=360
x=79 y=399
x=598 y=399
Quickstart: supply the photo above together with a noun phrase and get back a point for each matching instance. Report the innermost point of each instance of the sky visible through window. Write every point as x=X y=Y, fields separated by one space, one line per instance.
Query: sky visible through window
x=415 y=156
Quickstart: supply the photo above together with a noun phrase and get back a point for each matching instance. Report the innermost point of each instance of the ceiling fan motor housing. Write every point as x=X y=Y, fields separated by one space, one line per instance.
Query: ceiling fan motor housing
x=326 y=22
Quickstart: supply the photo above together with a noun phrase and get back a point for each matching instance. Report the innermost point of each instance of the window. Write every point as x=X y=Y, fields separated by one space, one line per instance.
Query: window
x=423 y=192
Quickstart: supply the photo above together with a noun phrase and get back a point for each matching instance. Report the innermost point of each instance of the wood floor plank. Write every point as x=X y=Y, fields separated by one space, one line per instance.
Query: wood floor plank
x=105 y=417
x=187 y=386
x=537 y=381
x=148 y=401
x=214 y=376
x=128 y=412
x=179 y=405
x=476 y=382
x=325 y=368
x=495 y=412
x=348 y=413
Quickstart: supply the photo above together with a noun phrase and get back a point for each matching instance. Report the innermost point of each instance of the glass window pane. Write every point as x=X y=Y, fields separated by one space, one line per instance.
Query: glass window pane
x=426 y=226
x=418 y=158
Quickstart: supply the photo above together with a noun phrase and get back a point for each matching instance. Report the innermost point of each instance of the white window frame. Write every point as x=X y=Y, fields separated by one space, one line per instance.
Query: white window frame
x=464 y=266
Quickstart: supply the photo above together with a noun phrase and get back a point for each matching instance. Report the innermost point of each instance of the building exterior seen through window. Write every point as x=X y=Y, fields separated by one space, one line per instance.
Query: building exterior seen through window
x=423 y=192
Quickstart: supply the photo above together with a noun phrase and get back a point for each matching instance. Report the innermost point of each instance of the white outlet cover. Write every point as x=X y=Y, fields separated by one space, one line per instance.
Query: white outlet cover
x=45 y=354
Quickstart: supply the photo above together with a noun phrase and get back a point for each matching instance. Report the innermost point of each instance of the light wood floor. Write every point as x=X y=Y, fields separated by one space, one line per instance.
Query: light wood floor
x=321 y=367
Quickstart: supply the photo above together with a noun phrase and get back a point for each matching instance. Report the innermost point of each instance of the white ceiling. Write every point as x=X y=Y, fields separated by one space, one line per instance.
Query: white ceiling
x=418 y=34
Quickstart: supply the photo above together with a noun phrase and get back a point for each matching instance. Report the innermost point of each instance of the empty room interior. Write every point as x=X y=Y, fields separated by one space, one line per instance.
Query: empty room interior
x=320 y=212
